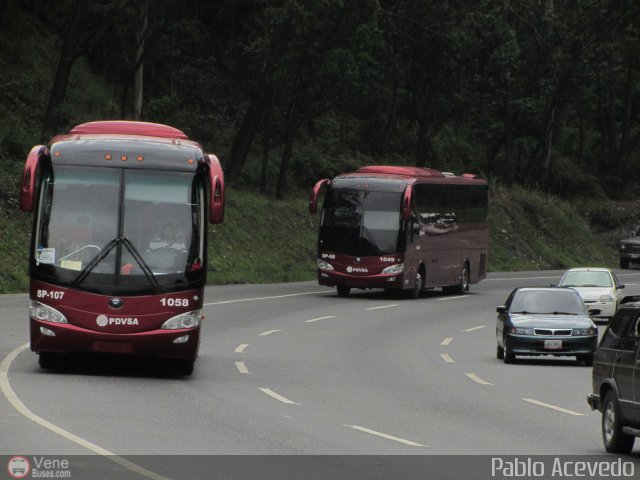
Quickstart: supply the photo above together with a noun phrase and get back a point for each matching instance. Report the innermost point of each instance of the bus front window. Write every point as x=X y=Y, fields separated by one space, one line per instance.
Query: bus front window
x=78 y=216
x=361 y=222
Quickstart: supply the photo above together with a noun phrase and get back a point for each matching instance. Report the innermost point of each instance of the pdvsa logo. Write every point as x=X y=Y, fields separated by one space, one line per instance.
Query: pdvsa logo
x=357 y=270
x=103 y=321
x=18 y=467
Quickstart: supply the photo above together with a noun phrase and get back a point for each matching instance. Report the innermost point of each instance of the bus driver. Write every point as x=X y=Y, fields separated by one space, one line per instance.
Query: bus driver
x=167 y=240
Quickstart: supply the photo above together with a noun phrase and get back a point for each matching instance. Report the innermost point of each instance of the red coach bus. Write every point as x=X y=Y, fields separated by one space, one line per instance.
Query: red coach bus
x=119 y=243
x=402 y=228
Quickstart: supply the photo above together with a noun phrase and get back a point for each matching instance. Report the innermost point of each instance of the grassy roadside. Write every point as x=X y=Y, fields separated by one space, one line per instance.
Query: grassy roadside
x=263 y=240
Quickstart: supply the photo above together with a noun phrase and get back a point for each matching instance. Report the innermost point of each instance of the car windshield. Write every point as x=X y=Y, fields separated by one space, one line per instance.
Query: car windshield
x=547 y=302
x=583 y=278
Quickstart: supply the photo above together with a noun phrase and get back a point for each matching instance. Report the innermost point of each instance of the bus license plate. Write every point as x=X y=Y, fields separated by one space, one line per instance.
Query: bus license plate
x=553 y=344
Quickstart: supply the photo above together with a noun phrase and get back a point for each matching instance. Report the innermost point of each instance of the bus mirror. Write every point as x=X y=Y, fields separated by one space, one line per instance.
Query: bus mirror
x=313 y=201
x=406 y=202
x=216 y=195
x=28 y=188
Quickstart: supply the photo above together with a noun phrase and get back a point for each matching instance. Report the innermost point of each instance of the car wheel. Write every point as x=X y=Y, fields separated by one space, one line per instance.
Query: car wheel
x=615 y=440
x=343 y=290
x=509 y=356
x=586 y=359
x=499 y=353
x=417 y=287
x=624 y=263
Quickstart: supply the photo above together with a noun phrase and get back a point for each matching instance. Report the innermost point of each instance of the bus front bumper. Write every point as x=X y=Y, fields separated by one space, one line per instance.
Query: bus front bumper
x=383 y=280
x=66 y=338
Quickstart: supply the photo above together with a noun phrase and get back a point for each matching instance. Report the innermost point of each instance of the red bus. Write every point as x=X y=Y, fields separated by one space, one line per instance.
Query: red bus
x=119 y=243
x=402 y=228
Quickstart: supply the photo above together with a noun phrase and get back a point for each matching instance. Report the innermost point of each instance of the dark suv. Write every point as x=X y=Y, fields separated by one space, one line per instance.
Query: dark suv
x=616 y=378
x=629 y=250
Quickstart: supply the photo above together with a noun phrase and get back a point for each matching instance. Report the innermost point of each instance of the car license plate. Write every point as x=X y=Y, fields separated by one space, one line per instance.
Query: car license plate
x=552 y=344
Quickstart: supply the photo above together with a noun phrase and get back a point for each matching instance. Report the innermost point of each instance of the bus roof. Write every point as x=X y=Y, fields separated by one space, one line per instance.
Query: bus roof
x=126 y=129
x=413 y=174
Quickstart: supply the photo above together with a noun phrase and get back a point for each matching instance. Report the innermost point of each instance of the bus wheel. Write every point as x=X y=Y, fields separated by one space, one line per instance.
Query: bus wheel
x=48 y=360
x=417 y=287
x=463 y=285
x=183 y=366
x=343 y=290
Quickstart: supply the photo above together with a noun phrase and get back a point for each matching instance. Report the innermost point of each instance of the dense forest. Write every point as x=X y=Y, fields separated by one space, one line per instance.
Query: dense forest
x=539 y=93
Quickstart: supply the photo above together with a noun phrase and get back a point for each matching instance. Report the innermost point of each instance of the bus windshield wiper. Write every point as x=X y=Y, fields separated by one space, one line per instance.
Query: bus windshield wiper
x=96 y=260
x=143 y=265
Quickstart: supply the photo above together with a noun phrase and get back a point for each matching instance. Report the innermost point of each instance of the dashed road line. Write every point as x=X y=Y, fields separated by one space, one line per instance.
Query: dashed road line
x=268 y=332
x=277 y=396
x=453 y=298
x=383 y=306
x=473 y=329
x=386 y=436
x=13 y=399
x=447 y=342
x=447 y=358
x=264 y=298
x=477 y=379
x=242 y=368
x=241 y=348
x=553 y=407
x=320 y=318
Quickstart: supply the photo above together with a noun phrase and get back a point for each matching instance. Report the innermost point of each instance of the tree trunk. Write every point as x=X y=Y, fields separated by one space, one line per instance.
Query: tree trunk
x=508 y=170
x=266 y=139
x=288 y=146
x=248 y=129
x=623 y=150
x=139 y=66
x=68 y=55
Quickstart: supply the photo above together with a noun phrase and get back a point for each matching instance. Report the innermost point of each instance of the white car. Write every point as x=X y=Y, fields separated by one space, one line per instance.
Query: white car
x=598 y=287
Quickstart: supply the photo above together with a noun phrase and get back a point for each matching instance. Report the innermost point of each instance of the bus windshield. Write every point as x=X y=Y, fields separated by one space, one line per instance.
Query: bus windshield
x=361 y=222
x=132 y=229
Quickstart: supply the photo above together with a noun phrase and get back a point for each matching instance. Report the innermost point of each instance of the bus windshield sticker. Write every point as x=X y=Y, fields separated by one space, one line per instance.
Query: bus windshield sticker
x=46 y=255
x=71 y=264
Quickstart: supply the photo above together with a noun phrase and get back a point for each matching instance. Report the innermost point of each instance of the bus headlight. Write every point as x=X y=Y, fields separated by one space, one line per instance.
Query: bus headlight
x=45 y=313
x=184 y=320
x=322 y=265
x=399 y=268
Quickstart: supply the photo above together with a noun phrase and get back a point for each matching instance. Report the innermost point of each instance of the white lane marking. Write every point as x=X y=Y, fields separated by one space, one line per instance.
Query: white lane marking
x=320 y=318
x=242 y=368
x=265 y=298
x=388 y=437
x=553 y=407
x=477 y=379
x=277 y=396
x=447 y=341
x=13 y=399
x=241 y=348
x=383 y=306
x=453 y=298
x=268 y=332
x=473 y=329
x=447 y=358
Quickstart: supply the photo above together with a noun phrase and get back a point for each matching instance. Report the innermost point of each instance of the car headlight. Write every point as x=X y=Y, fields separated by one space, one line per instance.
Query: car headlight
x=45 y=313
x=585 y=332
x=322 y=265
x=521 y=331
x=184 y=320
x=399 y=268
x=606 y=298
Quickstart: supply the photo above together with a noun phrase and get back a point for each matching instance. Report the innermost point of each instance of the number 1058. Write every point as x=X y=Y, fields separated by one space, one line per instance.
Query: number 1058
x=174 y=302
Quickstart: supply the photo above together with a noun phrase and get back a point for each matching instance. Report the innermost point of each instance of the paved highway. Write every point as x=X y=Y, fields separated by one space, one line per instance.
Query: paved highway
x=294 y=369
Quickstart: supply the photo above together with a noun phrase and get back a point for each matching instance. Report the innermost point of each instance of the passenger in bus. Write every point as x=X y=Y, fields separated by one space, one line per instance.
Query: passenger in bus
x=167 y=239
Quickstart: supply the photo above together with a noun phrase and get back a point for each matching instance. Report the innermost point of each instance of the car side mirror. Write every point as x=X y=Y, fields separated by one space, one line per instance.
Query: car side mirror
x=594 y=311
x=553 y=285
x=620 y=287
x=501 y=309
